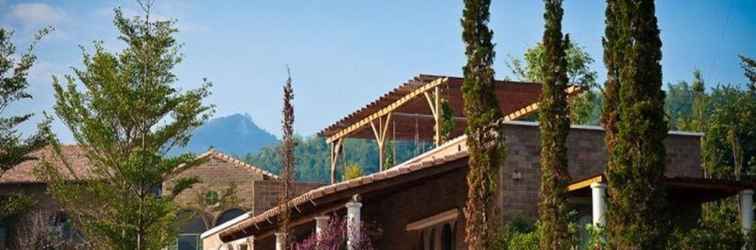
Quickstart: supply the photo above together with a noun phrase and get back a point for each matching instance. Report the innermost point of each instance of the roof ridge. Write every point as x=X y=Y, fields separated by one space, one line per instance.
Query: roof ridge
x=239 y=163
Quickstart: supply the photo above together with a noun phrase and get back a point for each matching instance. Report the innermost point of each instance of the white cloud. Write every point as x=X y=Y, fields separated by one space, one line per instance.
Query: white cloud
x=36 y=13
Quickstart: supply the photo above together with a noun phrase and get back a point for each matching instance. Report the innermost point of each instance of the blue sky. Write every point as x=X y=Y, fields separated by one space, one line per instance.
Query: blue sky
x=344 y=54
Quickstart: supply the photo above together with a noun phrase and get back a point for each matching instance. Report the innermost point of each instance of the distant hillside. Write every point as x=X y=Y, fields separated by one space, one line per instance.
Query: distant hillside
x=236 y=134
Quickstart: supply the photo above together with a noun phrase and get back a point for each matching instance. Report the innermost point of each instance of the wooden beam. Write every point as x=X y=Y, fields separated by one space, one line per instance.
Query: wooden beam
x=380 y=138
x=424 y=116
x=335 y=150
x=434 y=103
x=445 y=216
x=533 y=107
x=388 y=109
x=585 y=183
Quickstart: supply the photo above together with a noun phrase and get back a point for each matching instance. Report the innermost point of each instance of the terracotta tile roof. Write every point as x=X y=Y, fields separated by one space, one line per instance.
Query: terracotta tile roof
x=24 y=172
x=215 y=154
x=76 y=156
x=447 y=152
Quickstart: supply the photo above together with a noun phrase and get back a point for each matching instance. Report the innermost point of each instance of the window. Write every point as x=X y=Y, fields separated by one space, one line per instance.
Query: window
x=437 y=232
x=190 y=229
x=229 y=215
x=188 y=242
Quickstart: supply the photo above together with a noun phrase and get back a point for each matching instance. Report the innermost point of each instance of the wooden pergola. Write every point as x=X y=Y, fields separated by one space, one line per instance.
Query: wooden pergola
x=412 y=111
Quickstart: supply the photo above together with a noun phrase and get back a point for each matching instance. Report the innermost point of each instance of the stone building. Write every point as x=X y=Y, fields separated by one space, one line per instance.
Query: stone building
x=227 y=188
x=418 y=204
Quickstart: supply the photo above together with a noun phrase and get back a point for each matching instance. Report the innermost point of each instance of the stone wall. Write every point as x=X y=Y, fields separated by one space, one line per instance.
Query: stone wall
x=587 y=156
x=266 y=193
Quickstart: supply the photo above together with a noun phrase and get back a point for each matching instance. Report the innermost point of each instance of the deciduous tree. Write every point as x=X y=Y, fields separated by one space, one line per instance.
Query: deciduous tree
x=126 y=114
x=14 y=72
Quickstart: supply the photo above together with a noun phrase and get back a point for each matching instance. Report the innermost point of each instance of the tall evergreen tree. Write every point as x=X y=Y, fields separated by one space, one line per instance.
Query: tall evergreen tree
x=487 y=149
x=613 y=42
x=636 y=215
x=287 y=158
x=125 y=119
x=554 y=123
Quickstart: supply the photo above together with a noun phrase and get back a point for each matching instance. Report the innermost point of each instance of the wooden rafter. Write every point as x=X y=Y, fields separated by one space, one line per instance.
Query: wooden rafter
x=335 y=150
x=434 y=103
x=388 y=109
x=380 y=137
x=527 y=110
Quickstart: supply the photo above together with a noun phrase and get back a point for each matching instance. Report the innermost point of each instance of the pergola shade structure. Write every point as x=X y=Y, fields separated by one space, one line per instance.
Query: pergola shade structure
x=412 y=111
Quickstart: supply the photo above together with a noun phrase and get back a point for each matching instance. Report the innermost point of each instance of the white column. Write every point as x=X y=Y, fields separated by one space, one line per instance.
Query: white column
x=598 y=192
x=746 y=210
x=321 y=222
x=353 y=223
x=280 y=244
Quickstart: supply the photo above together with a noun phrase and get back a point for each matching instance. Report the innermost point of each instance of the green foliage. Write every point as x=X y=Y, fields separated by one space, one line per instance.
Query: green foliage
x=15 y=204
x=521 y=233
x=635 y=217
x=584 y=108
x=686 y=105
x=313 y=162
x=352 y=171
x=518 y=234
x=719 y=228
x=207 y=202
x=749 y=70
x=729 y=147
x=126 y=117
x=554 y=127
x=487 y=150
x=13 y=84
x=448 y=124
x=532 y=67
x=287 y=158
x=596 y=238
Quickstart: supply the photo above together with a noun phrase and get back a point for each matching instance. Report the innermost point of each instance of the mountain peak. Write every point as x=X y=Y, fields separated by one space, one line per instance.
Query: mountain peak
x=235 y=134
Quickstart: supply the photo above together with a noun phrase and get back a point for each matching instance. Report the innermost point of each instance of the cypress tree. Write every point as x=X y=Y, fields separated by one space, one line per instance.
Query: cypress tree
x=287 y=158
x=613 y=42
x=481 y=108
x=554 y=126
x=636 y=217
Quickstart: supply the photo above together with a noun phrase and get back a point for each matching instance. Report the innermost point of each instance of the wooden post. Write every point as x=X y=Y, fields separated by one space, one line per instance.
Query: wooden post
x=380 y=138
x=435 y=102
x=335 y=150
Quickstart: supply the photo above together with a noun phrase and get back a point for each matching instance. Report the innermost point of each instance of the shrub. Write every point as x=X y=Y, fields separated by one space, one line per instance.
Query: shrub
x=334 y=238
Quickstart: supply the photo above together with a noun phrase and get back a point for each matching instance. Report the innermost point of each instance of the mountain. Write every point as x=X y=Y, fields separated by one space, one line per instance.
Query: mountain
x=236 y=134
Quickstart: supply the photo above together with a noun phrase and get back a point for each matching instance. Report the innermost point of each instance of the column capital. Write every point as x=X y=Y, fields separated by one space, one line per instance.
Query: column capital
x=354 y=204
x=322 y=218
x=747 y=192
x=598 y=185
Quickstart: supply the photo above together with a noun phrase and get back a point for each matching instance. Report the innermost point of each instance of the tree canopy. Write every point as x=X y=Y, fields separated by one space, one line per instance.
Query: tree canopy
x=126 y=117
